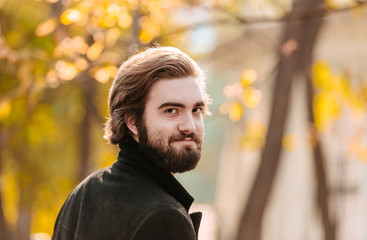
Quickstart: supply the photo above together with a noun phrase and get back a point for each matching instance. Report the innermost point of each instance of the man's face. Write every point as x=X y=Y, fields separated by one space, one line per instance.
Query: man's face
x=171 y=129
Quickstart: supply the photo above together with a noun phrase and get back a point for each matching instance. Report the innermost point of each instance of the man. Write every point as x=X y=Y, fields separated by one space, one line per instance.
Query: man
x=157 y=103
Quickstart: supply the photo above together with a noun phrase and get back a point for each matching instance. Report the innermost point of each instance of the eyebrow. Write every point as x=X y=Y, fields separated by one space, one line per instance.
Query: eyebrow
x=180 y=105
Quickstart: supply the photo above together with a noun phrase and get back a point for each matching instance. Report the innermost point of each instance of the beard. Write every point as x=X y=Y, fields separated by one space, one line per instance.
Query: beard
x=167 y=156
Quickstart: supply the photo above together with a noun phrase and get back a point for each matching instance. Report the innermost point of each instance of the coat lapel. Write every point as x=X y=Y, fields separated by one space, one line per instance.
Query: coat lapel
x=196 y=219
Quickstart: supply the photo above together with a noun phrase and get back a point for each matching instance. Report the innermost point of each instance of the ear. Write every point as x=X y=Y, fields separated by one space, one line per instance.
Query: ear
x=130 y=120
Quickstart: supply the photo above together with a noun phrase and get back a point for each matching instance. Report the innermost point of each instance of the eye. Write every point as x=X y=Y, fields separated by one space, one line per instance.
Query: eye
x=197 y=110
x=171 y=110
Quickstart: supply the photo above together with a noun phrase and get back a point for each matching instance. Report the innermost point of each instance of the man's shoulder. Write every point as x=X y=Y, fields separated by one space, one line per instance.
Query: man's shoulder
x=95 y=179
x=122 y=188
x=165 y=223
x=124 y=198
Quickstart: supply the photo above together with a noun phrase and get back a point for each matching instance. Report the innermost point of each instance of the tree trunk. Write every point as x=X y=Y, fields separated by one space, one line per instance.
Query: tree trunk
x=329 y=226
x=88 y=89
x=26 y=198
x=295 y=55
x=24 y=223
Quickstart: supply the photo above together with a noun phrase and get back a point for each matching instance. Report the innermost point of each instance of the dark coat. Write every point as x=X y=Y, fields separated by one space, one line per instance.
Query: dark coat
x=131 y=200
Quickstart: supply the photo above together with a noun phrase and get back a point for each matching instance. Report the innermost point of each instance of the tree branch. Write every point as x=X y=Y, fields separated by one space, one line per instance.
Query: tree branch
x=241 y=20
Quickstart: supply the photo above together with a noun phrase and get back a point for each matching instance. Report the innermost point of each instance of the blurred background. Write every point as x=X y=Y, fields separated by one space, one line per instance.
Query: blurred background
x=285 y=148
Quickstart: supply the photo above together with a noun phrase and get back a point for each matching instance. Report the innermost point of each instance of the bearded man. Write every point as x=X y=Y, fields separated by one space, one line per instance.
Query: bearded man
x=157 y=103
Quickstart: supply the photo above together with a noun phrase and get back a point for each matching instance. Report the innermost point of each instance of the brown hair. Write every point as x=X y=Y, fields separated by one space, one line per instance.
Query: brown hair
x=134 y=80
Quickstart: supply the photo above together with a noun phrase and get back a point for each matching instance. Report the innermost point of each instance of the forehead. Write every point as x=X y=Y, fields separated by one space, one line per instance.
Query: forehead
x=185 y=91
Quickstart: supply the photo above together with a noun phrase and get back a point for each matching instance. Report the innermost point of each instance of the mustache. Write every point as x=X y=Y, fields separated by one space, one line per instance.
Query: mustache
x=182 y=136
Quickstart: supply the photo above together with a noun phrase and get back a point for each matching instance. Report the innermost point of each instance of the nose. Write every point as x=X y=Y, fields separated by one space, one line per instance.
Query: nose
x=187 y=124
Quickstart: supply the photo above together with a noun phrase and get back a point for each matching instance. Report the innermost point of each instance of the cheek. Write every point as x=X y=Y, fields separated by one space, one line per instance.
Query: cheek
x=164 y=129
x=200 y=128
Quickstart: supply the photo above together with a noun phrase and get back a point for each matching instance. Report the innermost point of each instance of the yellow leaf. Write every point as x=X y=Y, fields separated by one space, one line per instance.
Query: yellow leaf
x=322 y=75
x=337 y=4
x=145 y=36
x=357 y=105
x=255 y=128
x=112 y=36
x=66 y=70
x=104 y=74
x=95 y=51
x=235 y=111
x=10 y=197
x=47 y=27
x=326 y=110
x=254 y=137
x=150 y=28
x=113 y=10
x=289 y=142
x=14 y=37
x=5 y=108
x=248 y=143
x=248 y=77
x=109 y=21
x=340 y=85
x=70 y=16
x=51 y=76
x=125 y=20
x=133 y=4
x=251 y=97
x=81 y=64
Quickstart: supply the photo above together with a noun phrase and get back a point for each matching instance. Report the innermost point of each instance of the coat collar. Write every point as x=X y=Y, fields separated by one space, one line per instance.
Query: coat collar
x=132 y=154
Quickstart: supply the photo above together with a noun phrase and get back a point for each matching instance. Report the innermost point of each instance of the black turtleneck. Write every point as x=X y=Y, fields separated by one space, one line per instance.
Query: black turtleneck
x=132 y=199
x=132 y=155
